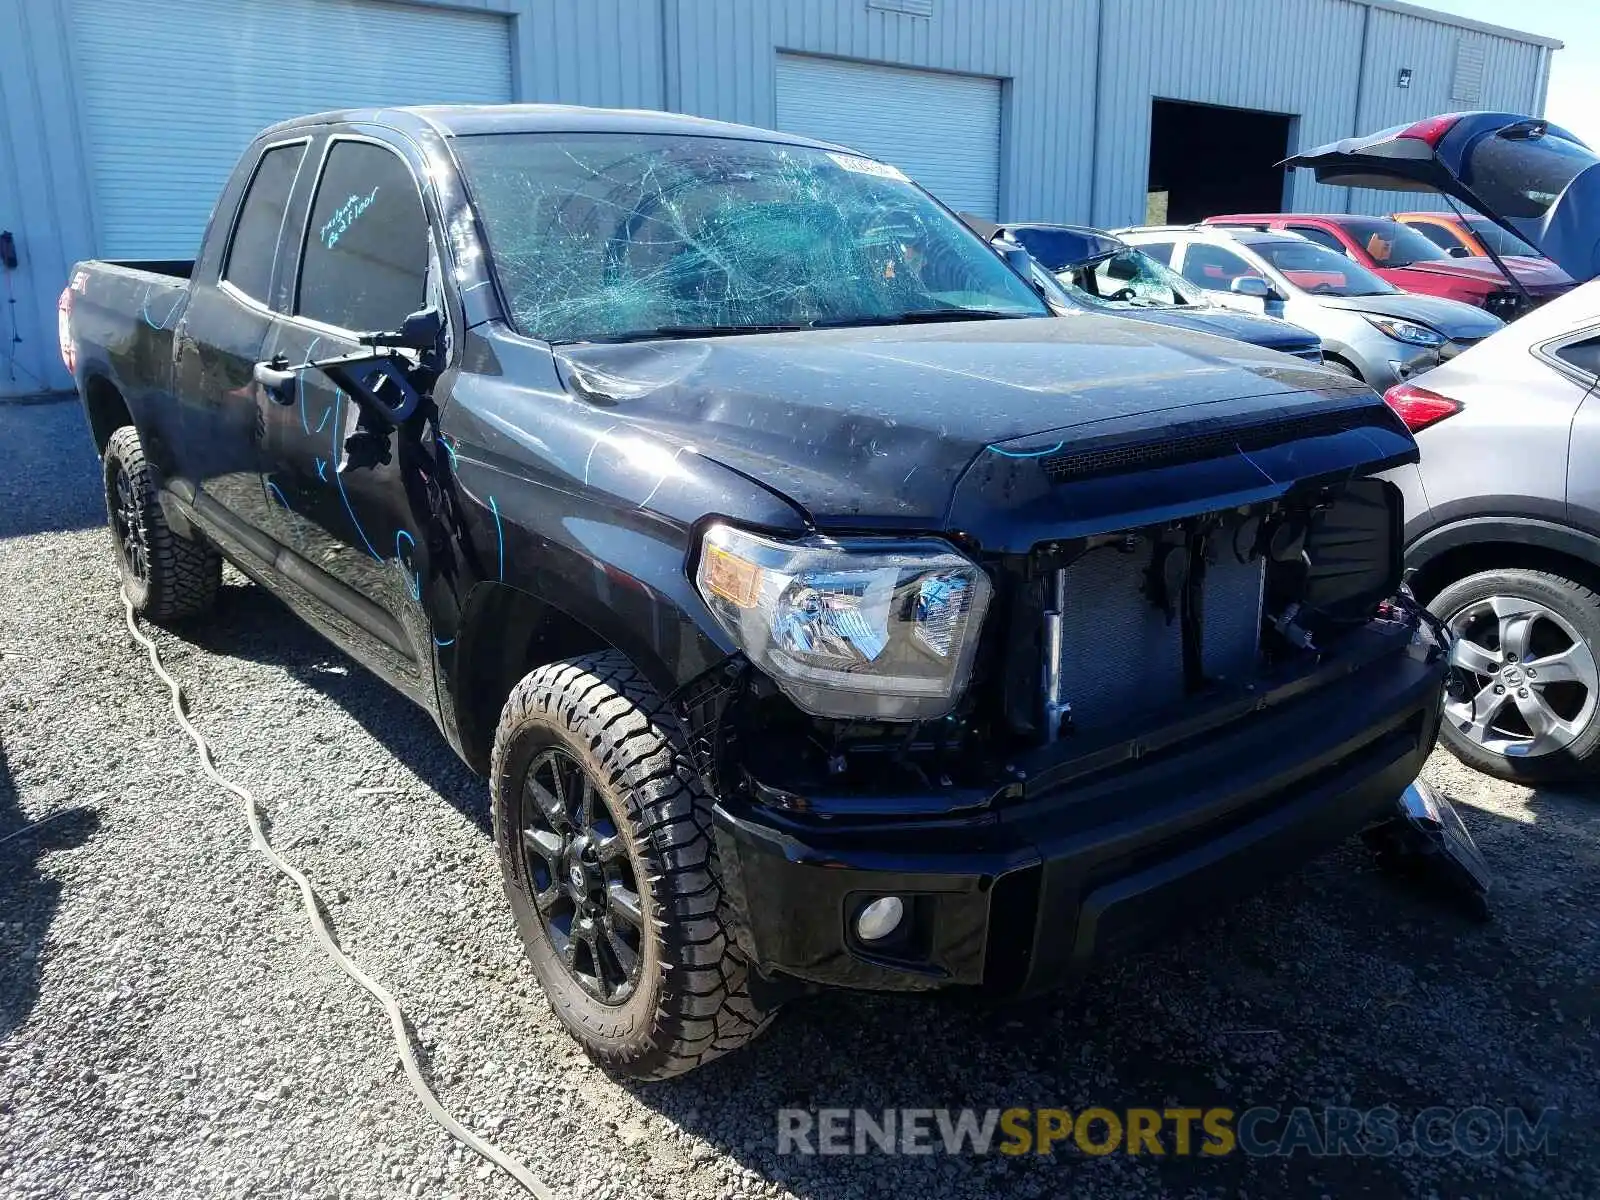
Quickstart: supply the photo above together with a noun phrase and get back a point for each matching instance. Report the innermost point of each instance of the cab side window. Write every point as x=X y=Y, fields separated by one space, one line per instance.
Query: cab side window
x=365 y=262
x=254 y=246
x=1214 y=267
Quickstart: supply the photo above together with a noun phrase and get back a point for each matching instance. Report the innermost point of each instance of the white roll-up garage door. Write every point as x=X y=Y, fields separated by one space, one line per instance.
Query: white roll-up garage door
x=942 y=130
x=172 y=91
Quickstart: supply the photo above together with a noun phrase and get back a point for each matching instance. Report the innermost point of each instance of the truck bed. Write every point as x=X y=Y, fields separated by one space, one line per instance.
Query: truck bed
x=124 y=314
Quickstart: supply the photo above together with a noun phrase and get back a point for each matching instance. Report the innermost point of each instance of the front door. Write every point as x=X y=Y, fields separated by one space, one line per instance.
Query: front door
x=362 y=267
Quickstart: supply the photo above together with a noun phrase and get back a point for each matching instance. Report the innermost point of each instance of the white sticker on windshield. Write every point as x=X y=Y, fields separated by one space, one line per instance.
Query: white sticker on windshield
x=867 y=166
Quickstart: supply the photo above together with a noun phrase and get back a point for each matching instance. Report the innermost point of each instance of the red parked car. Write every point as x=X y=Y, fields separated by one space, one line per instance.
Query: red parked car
x=1404 y=257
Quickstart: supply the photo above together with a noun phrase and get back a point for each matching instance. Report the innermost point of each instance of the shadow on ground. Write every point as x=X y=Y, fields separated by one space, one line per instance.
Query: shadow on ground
x=249 y=623
x=52 y=478
x=28 y=897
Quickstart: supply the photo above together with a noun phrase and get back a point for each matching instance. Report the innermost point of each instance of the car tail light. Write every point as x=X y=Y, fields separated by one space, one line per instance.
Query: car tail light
x=1431 y=130
x=69 y=352
x=1418 y=407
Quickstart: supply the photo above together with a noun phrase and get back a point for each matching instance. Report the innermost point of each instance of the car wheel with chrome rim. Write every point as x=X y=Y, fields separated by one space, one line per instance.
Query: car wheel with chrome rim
x=1524 y=642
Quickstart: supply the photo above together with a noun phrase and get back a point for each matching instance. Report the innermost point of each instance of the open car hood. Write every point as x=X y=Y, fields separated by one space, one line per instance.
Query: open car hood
x=1532 y=178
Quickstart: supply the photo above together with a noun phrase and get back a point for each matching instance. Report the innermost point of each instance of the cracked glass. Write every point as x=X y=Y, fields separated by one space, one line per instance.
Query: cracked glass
x=614 y=236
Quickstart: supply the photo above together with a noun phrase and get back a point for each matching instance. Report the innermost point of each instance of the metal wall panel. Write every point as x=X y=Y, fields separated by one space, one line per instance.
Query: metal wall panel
x=43 y=200
x=605 y=53
x=722 y=54
x=164 y=136
x=1512 y=81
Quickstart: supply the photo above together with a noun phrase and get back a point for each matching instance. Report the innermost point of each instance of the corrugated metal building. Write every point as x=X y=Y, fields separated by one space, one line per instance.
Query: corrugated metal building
x=121 y=120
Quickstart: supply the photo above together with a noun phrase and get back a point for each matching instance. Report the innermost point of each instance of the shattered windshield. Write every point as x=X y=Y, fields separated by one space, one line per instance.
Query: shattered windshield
x=612 y=236
x=1133 y=279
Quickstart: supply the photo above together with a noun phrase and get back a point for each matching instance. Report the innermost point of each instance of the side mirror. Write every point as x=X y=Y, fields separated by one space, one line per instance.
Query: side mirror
x=1460 y=252
x=420 y=331
x=1251 y=285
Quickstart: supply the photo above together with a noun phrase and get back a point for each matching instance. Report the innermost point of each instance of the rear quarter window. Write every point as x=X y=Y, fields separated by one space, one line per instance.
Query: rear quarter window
x=365 y=263
x=254 y=245
x=1582 y=355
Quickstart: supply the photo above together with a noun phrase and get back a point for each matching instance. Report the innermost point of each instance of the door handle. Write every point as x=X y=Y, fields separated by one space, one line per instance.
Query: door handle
x=275 y=378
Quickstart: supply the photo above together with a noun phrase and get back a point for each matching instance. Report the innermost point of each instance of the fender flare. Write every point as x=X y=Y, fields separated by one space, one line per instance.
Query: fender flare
x=1428 y=547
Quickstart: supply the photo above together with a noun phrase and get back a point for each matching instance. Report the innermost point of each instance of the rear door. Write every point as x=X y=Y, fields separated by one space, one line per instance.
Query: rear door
x=360 y=264
x=1533 y=179
x=222 y=410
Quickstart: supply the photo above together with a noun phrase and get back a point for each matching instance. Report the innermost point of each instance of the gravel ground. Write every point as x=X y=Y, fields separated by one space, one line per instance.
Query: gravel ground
x=168 y=1027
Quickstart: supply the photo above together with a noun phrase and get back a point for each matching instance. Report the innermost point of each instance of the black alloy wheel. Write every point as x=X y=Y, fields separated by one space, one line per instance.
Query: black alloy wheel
x=127 y=526
x=581 y=879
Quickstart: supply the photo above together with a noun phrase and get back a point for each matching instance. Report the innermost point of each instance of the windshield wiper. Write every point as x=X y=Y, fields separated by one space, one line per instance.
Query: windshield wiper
x=921 y=316
x=916 y=316
x=683 y=331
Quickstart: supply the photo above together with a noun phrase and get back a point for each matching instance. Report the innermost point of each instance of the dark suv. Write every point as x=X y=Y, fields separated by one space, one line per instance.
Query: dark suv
x=822 y=610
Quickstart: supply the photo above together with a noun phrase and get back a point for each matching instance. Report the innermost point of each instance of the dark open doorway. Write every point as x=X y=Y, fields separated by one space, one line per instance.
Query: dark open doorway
x=1206 y=160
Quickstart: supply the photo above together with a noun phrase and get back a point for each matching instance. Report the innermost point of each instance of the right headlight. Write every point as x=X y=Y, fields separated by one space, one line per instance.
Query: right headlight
x=852 y=629
x=1412 y=333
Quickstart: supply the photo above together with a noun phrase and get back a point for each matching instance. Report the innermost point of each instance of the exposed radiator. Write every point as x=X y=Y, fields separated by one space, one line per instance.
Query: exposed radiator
x=1119 y=654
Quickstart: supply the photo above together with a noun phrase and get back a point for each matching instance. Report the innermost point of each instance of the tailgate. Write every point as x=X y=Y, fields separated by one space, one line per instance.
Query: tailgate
x=1533 y=179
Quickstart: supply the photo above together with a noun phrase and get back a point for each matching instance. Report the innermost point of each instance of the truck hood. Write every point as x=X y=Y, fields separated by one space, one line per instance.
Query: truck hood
x=1535 y=273
x=873 y=427
x=1455 y=319
x=1531 y=273
x=1245 y=327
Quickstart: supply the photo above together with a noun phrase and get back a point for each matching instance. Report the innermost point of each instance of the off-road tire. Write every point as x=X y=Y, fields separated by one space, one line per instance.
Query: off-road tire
x=1579 y=606
x=692 y=1002
x=181 y=575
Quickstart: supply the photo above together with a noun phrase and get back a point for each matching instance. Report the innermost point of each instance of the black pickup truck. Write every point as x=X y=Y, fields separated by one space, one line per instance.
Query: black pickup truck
x=822 y=610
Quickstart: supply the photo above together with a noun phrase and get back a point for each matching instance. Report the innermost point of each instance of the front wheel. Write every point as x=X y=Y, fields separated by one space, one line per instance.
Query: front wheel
x=166 y=575
x=604 y=837
x=1530 y=712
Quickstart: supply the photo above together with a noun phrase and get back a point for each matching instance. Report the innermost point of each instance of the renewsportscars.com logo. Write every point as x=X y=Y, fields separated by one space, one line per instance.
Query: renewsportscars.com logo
x=1437 y=1132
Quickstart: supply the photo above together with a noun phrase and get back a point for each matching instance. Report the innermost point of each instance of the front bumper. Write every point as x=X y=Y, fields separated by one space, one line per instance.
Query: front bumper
x=1092 y=851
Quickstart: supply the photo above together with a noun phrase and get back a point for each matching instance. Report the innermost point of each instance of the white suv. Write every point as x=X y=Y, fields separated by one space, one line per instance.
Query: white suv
x=1369 y=328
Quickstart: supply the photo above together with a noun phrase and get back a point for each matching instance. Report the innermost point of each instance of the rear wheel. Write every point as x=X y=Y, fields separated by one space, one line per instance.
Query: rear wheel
x=166 y=576
x=605 y=842
x=1532 y=708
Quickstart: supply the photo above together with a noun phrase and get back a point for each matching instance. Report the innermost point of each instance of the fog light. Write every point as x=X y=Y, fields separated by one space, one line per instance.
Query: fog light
x=880 y=918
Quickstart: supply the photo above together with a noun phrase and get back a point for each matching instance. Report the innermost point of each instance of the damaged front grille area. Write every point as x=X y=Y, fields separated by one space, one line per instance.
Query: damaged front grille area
x=1117 y=635
x=1134 y=622
x=1111 y=636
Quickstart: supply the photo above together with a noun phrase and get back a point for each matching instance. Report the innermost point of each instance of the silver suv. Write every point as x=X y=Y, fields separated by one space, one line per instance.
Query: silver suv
x=1369 y=328
x=1503 y=514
